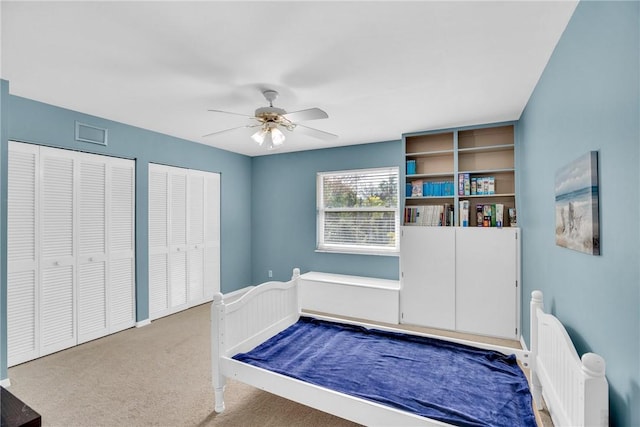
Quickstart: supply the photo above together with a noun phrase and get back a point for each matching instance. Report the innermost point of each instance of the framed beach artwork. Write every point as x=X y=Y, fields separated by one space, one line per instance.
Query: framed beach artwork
x=577 y=221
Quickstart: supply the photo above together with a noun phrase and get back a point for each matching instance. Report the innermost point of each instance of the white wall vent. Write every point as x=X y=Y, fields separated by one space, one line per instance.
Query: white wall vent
x=92 y=134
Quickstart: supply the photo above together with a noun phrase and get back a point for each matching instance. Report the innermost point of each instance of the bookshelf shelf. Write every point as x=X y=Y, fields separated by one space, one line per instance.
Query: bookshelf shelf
x=432 y=175
x=487 y=196
x=483 y=155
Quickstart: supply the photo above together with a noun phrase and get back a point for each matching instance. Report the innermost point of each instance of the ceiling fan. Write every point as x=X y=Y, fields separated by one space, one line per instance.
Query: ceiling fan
x=271 y=121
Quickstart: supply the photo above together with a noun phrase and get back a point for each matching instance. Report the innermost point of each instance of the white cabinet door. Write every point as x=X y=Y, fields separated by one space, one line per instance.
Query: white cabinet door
x=486 y=281
x=58 y=256
x=428 y=290
x=22 y=254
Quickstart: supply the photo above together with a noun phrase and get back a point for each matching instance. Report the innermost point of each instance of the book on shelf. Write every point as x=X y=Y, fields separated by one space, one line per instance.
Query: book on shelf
x=490 y=215
x=464 y=184
x=411 y=167
x=429 y=215
x=512 y=218
x=416 y=188
x=499 y=214
x=437 y=188
x=484 y=185
x=464 y=213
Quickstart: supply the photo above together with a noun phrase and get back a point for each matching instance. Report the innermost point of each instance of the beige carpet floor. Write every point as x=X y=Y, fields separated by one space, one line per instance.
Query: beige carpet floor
x=158 y=375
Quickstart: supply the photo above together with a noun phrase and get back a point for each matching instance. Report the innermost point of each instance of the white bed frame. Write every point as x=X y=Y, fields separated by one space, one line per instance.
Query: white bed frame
x=576 y=392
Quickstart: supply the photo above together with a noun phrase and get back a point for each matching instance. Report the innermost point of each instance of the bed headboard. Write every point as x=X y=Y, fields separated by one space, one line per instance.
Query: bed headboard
x=575 y=389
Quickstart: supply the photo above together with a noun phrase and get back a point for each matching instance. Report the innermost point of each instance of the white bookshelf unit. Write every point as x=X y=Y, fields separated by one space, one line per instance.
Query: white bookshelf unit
x=453 y=277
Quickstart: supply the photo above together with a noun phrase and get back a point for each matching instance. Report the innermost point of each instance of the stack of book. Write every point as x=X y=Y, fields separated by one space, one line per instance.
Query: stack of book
x=490 y=215
x=429 y=215
x=475 y=186
x=420 y=188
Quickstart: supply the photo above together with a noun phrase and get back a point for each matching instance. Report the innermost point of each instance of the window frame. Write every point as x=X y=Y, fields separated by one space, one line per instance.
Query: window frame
x=321 y=246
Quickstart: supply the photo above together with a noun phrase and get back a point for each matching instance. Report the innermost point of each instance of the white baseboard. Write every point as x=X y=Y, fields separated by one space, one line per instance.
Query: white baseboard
x=142 y=323
x=5 y=383
x=523 y=343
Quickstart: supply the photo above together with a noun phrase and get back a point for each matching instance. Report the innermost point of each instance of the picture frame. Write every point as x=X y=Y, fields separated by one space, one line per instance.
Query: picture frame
x=577 y=205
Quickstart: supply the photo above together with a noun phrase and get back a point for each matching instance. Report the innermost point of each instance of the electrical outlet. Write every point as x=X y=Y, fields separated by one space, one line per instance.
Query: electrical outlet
x=270 y=273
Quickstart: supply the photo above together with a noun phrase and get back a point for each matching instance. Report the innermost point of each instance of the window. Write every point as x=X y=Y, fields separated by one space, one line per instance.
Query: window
x=358 y=211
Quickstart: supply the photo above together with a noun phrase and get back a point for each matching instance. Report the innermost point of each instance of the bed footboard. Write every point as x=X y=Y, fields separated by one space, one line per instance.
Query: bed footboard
x=575 y=389
x=255 y=317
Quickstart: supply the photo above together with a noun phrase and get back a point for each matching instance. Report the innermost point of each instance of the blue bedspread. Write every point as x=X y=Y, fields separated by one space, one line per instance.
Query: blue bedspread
x=445 y=381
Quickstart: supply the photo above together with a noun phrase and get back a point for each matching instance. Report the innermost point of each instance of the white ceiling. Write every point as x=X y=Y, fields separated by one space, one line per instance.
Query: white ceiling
x=379 y=69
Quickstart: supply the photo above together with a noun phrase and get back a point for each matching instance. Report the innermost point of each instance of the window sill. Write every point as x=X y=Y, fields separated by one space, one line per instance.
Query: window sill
x=356 y=252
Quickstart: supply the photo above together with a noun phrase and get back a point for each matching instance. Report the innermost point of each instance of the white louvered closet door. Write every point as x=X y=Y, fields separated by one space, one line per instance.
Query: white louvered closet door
x=184 y=238
x=158 y=241
x=121 y=244
x=212 y=235
x=70 y=248
x=196 y=237
x=57 y=263
x=178 y=242
x=22 y=254
x=92 y=251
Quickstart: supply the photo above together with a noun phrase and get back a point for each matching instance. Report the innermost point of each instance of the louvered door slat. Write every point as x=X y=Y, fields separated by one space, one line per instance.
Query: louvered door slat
x=21 y=317
x=122 y=294
x=196 y=208
x=178 y=209
x=122 y=202
x=196 y=272
x=57 y=309
x=92 y=302
x=178 y=279
x=57 y=206
x=158 y=284
x=158 y=208
x=92 y=213
x=21 y=207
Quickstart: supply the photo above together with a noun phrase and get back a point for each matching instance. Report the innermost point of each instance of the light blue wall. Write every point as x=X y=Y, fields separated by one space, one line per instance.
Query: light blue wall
x=589 y=99
x=35 y=122
x=284 y=211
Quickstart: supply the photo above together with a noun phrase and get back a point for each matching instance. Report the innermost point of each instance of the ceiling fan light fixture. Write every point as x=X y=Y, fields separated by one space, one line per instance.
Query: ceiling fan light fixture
x=277 y=136
x=259 y=136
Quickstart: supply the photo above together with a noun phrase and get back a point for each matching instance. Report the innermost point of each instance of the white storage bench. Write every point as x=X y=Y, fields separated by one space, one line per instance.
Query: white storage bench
x=352 y=296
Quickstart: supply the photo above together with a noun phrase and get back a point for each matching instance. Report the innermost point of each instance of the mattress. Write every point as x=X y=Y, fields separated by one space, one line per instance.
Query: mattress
x=441 y=380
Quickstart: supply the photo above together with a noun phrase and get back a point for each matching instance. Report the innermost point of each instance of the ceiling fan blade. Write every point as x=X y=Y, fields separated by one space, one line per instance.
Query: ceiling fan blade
x=316 y=133
x=230 y=112
x=304 y=115
x=231 y=129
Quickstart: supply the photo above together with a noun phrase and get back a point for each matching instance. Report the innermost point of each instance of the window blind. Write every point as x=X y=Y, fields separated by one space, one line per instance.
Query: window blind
x=358 y=210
